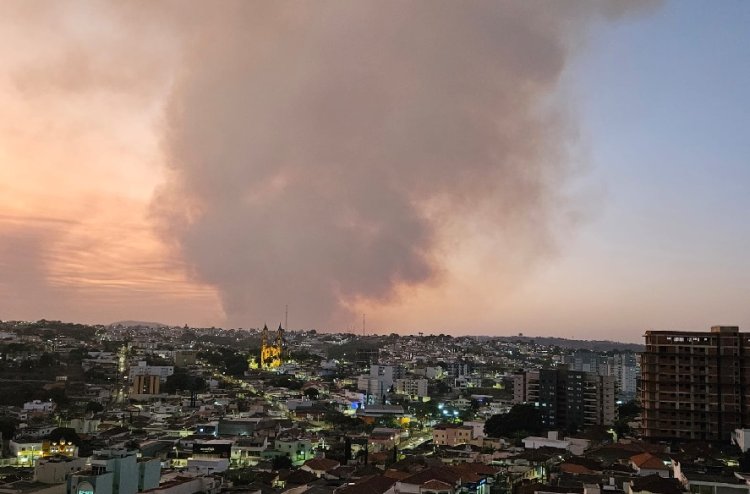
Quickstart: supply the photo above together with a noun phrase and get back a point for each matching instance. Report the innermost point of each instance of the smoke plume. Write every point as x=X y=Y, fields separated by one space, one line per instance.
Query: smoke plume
x=327 y=154
x=320 y=152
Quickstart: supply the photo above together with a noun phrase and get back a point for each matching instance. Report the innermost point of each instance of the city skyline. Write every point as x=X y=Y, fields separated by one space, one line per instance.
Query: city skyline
x=571 y=171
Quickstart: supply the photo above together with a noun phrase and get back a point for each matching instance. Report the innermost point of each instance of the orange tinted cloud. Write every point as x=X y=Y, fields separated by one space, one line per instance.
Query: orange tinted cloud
x=178 y=162
x=79 y=163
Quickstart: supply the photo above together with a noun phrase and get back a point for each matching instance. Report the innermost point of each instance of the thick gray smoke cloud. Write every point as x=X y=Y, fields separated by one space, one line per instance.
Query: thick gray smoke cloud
x=316 y=150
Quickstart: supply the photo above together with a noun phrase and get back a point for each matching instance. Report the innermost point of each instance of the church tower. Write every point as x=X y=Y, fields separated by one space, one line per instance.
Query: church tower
x=270 y=353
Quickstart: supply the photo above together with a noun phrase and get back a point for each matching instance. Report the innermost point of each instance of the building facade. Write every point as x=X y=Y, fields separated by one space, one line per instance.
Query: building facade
x=567 y=399
x=365 y=357
x=143 y=369
x=451 y=434
x=693 y=384
x=588 y=361
x=414 y=388
x=116 y=472
x=184 y=358
x=622 y=365
x=271 y=350
x=145 y=384
x=379 y=382
x=627 y=371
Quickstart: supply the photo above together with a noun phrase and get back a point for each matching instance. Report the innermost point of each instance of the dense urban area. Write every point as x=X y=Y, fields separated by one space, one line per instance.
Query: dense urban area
x=135 y=407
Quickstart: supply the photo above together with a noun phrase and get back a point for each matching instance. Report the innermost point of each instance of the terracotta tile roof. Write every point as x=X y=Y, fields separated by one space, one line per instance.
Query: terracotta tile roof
x=343 y=471
x=380 y=457
x=442 y=474
x=656 y=485
x=589 y=463
x=374 y=484
x=462 y=472
x=397 y=474
x=575 y=469
x=321 y=464
x=363 y=471
x=299 y=477
x=648 y=462
x=534 y=487
x=436 y=485
x=476 y=468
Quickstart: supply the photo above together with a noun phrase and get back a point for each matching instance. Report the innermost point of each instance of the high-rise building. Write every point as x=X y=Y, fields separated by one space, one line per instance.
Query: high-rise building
x=459 y=368
x=143 y=369
x=365 y=357
x=623 y=366
x=589 y=361
x=415 y=388
x=693 y=384
x=567 y=399
x=626 y=370
x=525 y=386
x=379 y=382
x=147 y=379
x=145 y=385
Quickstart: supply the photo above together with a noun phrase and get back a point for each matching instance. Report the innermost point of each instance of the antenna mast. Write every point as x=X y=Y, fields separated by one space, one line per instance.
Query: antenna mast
x=286 y=316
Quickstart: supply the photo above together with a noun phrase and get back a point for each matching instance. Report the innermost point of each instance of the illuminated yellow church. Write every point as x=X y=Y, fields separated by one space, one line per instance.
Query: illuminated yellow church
x=271 y=352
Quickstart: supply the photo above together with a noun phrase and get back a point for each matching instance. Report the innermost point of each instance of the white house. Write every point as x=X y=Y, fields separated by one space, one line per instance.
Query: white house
x=551 y=441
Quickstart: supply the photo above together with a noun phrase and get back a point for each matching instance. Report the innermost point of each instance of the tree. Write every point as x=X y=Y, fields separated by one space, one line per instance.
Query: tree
x=744 y=465
x=46 y=360
x=8 y=428
x=425 y=410
x=342 y=422
x=232 y=362
x=626 y=412
x=236 y=365
x=182 y=381
x=281 y=462
x=312 y=393
x=629 y=410
x=242 y=476
x=305 y=357
x=470 y=412
x=59 y=396
x=77 y=354
x=520 y=420
x=66 y=433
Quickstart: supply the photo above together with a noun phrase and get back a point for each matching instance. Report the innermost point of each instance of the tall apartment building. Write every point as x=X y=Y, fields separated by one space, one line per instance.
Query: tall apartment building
x=624 y=366
x=459 y=368
x=567 y=399
x=415 y=388
x=523 y=389
x=693 y=384
x=147 y=379
x=143 y=369
x=145 y=384
x=365 y=357
x=626 y=370
x=379 y=382
x=588 y=361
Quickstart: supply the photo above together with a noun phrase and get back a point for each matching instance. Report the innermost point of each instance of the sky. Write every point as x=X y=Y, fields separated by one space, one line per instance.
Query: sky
x=578 y=171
